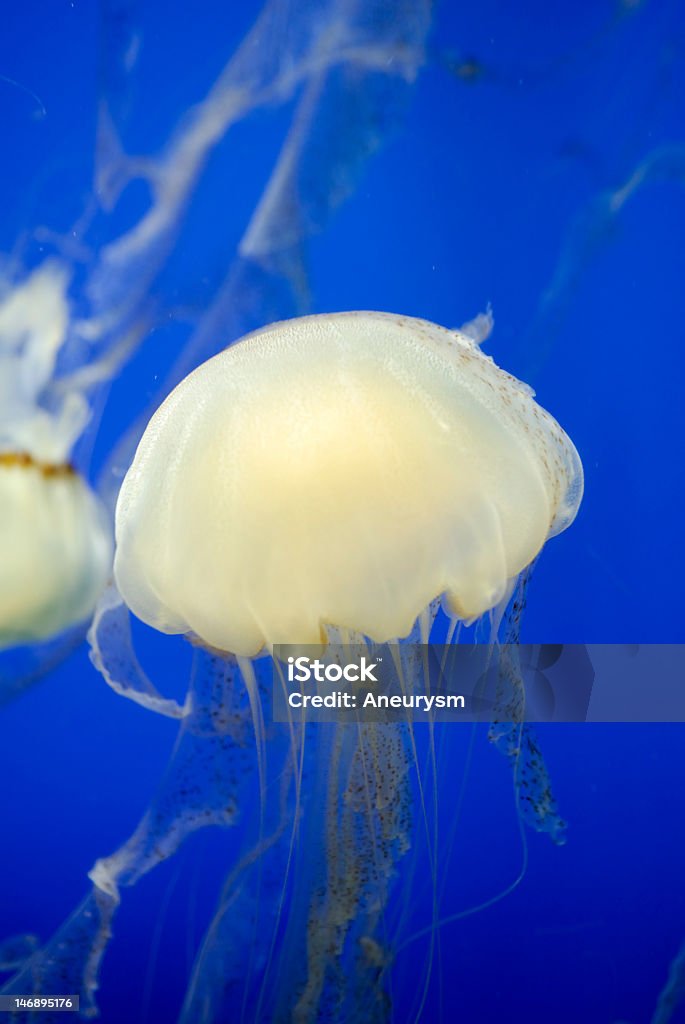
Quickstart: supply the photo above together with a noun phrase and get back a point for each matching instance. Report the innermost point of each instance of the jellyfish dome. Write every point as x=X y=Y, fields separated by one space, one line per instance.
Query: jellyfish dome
x=54 y=549
x=342 y=469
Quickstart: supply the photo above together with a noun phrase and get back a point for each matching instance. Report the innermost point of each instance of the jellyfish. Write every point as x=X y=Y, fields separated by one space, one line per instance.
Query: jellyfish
x=325 y=478
x=54 y=533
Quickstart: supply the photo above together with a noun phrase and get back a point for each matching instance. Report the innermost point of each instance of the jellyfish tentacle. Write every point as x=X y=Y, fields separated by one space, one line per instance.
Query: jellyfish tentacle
x=281 y=51
x=411 y=665
x=224 y=967
x=479 y=329
x=15 y=950
x=672 y=994
x=113 y=655
x=591 y=229
x=516 y=739
x=70 y=961
x=202 y=783
x=202 y=787
x=367 y=816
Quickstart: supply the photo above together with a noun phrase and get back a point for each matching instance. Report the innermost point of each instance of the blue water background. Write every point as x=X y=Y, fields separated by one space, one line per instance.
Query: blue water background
x=473 y=201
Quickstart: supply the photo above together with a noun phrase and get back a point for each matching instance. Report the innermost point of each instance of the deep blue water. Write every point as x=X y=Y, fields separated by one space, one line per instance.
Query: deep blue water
x=492 y=188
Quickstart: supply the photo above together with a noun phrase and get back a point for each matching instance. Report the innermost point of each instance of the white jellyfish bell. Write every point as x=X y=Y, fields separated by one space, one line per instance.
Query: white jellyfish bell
x=55 y=547
x=339 y=470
